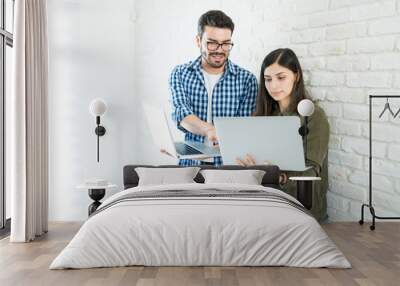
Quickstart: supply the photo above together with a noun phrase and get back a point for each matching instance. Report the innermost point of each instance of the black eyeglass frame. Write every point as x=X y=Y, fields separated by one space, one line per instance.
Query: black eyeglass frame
x=208 y=43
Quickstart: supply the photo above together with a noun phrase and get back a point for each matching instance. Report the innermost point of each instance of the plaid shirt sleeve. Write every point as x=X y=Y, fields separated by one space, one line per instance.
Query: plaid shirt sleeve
x=180 y=101
x=248 y=104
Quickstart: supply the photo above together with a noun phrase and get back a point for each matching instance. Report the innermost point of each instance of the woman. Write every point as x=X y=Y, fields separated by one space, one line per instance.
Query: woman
x=279 y=93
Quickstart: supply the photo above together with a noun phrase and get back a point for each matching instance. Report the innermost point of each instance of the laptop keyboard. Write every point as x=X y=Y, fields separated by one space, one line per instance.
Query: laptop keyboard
x=183 y=149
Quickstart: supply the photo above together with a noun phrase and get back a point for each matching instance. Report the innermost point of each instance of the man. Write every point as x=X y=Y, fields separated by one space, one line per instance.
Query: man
x=210 y=86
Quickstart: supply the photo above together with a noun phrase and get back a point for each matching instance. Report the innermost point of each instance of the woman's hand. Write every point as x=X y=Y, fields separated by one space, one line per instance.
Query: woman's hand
x=283 y=178
x=248 y=160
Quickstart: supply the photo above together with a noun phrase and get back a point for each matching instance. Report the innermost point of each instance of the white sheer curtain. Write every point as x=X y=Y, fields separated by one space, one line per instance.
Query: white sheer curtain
x=28 y=160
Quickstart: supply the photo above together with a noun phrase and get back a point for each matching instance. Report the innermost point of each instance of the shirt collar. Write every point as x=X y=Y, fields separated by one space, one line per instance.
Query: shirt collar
x=196 y=65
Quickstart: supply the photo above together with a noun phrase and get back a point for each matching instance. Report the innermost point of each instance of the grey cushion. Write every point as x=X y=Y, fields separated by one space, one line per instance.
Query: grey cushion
x=271 y=177
x=248 y=177
x=166 y=176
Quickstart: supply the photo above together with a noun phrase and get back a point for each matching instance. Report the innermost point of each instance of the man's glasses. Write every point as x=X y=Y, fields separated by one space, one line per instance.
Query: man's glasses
x=213 y=46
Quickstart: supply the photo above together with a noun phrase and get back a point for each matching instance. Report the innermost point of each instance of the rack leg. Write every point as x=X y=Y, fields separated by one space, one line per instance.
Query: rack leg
x=361 y=221
x=372 y=210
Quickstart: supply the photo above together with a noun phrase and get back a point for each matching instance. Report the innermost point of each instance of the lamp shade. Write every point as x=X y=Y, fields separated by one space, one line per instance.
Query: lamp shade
x=97 y=107
x=305 y=107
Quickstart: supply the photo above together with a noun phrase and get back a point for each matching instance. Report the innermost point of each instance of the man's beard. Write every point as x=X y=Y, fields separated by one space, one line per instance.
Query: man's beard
x=207 y=58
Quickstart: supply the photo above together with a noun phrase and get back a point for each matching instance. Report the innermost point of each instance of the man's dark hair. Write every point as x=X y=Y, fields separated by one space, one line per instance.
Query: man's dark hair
x=214 y=18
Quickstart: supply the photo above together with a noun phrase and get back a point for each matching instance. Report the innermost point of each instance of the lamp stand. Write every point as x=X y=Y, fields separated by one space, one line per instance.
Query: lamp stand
x=303 y=130
x=305 y=138
x=100 y=131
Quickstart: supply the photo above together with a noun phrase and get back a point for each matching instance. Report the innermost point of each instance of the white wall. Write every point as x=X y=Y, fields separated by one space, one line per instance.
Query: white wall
x=91 y=46
x=348 y=49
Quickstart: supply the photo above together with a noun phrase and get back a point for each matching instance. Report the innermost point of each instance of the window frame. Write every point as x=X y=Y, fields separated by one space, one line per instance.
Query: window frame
x=6 y=39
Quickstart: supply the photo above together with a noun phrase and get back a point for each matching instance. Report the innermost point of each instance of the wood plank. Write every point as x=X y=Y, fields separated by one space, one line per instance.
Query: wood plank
x=375 y=257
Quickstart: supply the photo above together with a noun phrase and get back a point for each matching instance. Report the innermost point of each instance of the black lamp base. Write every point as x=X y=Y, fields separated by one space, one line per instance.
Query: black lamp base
x=96 y=195
x=304 y=193
x=303 y=130
x=100 y=130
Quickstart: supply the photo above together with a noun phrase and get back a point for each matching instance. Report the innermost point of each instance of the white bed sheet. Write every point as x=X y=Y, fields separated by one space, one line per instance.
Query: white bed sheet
x=193 y=231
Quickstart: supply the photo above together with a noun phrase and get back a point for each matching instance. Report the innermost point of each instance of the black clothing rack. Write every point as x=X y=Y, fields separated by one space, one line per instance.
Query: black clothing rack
x=369 y=205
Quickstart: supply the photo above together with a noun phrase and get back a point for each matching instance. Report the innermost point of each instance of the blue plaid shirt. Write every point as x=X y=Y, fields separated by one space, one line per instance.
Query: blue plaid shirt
x=233 y=95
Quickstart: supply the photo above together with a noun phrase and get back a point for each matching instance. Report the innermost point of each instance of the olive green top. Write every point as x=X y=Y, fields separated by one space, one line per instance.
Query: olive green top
x=317 y=157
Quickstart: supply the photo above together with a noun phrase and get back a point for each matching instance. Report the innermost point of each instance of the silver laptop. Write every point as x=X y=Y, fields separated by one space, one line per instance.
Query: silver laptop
x=269 y=139
x=162 y=137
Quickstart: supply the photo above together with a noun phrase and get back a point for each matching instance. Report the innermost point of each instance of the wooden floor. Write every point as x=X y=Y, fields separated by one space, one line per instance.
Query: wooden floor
x=375 y=257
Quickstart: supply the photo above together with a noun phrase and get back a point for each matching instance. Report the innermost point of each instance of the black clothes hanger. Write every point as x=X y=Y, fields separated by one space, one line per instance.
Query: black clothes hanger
x=387 y=107
x=398 y=111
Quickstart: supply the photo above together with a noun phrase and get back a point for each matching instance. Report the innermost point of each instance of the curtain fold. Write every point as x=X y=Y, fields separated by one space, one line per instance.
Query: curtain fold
x=29 y=122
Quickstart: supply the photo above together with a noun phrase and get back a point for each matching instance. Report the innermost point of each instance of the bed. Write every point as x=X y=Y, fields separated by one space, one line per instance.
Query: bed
x=201 y=224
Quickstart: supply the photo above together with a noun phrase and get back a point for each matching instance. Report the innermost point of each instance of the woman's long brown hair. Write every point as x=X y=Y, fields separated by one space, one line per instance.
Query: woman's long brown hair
x=265 y=104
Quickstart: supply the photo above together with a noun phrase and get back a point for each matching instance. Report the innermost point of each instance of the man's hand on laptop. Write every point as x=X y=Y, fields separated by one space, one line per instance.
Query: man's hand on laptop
x=211 y=134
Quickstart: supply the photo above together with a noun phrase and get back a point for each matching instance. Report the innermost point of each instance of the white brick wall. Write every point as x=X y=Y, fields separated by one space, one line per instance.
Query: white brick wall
x=370 y=44
x=369 y=79
x=348 y=49
x=378 y=9
x=389 y=25
x=321 y=78
x=343 y=94
x=396 y=83
x=347 y=63
x=346 y=31
x=327 y=48
x=387 y=61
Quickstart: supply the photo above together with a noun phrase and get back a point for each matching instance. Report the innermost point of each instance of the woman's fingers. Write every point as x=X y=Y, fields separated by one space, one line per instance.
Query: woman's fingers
x=250 y=160
x=285 y=178
x=282 y=178
x=240 y=162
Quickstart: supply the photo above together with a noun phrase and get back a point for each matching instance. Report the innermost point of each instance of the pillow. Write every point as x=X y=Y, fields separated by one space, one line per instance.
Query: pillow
x=248 y=177
x=165 y=176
